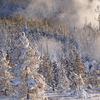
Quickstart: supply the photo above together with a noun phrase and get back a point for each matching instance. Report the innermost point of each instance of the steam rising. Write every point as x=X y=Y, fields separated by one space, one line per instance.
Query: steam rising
x=71 y=12
x=54 y=10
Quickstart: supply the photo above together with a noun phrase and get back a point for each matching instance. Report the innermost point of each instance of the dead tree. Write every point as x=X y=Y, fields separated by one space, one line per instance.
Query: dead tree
x=98 y=19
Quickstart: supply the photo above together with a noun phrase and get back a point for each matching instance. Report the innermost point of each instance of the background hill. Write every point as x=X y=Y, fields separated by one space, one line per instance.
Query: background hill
x=8 y=7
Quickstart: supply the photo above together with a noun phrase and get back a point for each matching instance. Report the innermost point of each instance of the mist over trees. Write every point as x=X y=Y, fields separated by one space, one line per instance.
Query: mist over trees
x=49 y=47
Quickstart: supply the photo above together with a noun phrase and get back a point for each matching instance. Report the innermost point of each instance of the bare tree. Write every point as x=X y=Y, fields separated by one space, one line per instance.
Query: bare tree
x=98 y=11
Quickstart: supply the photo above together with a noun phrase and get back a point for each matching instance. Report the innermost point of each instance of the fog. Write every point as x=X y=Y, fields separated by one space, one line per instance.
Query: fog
x=70 y=12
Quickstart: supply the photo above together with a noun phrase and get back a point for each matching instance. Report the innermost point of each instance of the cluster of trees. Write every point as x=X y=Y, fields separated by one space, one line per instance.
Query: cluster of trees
x=21 y=67
x=50 y=71
x=68 y=72
x=18 y=68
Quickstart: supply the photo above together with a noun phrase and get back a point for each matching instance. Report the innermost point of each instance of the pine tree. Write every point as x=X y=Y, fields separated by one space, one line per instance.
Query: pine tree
x=5 y=74
x=50 y=71
x=55 y=76
x=76 y=72
x=26 y=67
x=46 y=69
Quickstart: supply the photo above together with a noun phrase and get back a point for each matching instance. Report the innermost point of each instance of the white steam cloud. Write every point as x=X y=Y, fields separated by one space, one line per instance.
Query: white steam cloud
x=71 y=12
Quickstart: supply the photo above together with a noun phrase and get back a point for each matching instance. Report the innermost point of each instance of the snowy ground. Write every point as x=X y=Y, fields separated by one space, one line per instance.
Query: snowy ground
x=64 y=97
x=59 y=98
x=7 y=98
x=55 y=96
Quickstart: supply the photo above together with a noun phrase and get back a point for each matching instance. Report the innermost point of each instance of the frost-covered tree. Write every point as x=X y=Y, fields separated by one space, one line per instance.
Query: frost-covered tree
x=46 y=69
x=5 y=74
x=55 y=75
x=76 y=71
x=25 y=60
x=50 y=71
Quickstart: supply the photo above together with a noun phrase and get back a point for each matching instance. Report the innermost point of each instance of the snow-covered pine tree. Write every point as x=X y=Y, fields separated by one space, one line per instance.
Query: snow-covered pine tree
x=46 y=70
x=5 y=74
x=26 y=68
x=76 y=71
x=55 y=76
x=64 y=69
